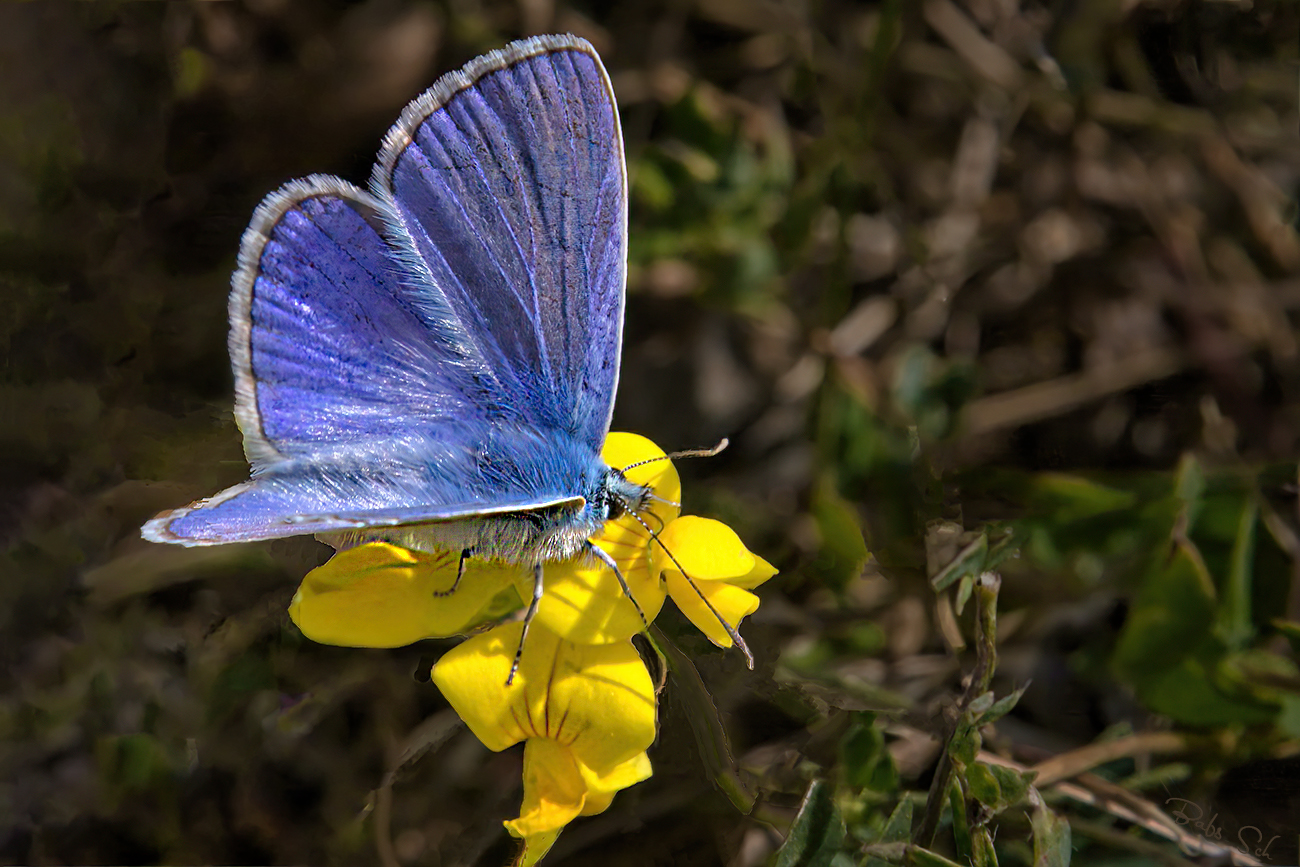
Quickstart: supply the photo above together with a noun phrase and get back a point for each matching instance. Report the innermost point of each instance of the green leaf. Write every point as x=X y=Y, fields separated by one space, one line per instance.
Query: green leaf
x=1171 y=615
x=919 y=857
x=983 y=785
x=710 y=734
x=818 y=832
x=982 y=851
x=969 y=561
x=1051 y=838
x=1256 y=674
x=1014 y=784
x=1234 y=624
x=1001 y=707
x=965 y=745
x=1006 y=545
x=844 y=550
x=865 y=762
x=899 y=826
x=1188 y=693
x=960 y=824
x=1189 y=488
x=964 y=589
x=1068 y=498
x=906 y=854
x=897 y=830
x=980 y=704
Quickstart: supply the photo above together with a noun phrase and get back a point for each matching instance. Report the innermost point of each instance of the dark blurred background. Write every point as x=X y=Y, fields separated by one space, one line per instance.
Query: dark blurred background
x=962 y=260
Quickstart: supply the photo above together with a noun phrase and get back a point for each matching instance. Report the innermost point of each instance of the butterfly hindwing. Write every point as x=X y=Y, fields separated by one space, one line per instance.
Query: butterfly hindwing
x=385 y=483
x=325 y=348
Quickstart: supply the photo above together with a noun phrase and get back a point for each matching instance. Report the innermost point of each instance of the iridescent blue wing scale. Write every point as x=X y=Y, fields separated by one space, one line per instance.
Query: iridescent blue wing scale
x=417 y=354
x=508 y=180
x=326 y=348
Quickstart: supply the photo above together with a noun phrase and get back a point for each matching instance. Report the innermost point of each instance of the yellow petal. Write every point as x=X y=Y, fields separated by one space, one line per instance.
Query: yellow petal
x=762 y=571
x=596 y=699
x=703 y=548
x=629 y=536
x=732 y=604
x=473 y=675
x=625 y=449
x=604 y=701
x=535 y=848
x=601 y=788
x=380 y=595
x=550 y=793
x=584 y=603
x=554 y=791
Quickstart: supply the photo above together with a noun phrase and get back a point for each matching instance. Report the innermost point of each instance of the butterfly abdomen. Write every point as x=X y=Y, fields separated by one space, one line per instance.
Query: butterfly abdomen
x=524 y=538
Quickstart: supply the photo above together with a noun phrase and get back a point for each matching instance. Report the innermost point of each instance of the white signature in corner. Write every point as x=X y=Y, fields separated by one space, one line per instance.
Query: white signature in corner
x=1211 y=831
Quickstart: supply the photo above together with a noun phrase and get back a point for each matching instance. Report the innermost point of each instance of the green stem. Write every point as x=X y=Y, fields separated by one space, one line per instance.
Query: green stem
x=702 y=713
x=986 y=662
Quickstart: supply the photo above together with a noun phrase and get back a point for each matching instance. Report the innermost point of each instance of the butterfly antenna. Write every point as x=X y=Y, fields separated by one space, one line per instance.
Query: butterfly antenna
x=731 y=629
x=528 y=619
x=601 y=555
x=688 y=453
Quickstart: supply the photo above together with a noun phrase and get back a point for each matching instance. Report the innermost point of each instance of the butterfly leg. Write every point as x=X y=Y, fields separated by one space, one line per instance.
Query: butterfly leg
x=528 y=619
x=600 y=554
x=460 y=573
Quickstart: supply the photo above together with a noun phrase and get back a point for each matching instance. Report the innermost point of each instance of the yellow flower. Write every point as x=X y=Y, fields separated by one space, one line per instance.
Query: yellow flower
x=380 y=595
x=582 y=700
x=586 y=712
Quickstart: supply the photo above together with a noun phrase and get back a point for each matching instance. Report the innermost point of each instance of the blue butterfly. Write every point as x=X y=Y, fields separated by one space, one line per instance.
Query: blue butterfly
x=434 y=362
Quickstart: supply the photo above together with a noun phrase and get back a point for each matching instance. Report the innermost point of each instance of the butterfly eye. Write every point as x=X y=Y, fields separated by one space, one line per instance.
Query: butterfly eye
x=615 y=508
x=610 y=498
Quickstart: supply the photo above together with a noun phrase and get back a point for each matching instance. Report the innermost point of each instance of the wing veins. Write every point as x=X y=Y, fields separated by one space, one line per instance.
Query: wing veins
x=520 y=160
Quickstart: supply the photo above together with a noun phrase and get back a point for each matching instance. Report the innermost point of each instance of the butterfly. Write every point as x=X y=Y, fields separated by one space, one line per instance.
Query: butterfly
x=433 y=362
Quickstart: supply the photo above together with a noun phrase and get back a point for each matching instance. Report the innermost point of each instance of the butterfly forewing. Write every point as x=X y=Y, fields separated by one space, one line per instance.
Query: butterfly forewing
x=508 y=179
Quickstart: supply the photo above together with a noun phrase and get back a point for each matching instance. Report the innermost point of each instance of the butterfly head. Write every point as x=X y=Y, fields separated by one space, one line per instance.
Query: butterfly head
x=619 y=496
